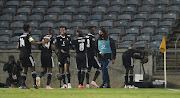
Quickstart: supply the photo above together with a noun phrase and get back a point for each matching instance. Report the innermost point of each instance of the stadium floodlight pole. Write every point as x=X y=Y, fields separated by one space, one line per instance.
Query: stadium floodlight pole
x=165 y=79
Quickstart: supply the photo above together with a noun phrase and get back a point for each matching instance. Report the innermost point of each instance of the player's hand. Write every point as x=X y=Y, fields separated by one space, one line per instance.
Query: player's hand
x=137 y=54
x=46 y=40
x=63 y=51
x=113 y=61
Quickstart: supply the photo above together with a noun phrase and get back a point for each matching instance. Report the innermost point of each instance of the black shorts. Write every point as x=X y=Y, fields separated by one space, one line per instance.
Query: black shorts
x=128 y=62
x=81 y=60
x=47 y=62
x=27 y=61
x=93 y=62
x=63 y=59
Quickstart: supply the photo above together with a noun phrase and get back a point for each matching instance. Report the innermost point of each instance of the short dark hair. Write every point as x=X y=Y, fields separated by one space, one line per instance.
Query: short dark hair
x=51 y=30
x=63 y=27
x=80 y=34
x=11 y=57
x=91 y=27
x=26 y=27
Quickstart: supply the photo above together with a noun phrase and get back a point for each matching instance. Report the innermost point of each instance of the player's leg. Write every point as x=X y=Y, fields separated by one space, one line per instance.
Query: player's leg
x=23 y=75
x=61 y=69
x=83 y=71
x=49 y=78
x=34 y=75
x=8 y=82
x=126 y=77
x=68 y=74
x=131 y=76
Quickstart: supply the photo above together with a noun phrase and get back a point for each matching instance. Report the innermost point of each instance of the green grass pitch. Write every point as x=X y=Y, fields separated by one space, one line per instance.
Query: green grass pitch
x=88 y=93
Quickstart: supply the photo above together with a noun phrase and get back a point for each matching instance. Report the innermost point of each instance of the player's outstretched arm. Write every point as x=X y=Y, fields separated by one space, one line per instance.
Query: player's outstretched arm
x=42 y=42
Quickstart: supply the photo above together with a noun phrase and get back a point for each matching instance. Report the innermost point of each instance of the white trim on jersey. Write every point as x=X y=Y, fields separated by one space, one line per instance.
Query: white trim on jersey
x=32 y=61
x=132 y=61
x=52 y=62
x=86 y=61
x=97 y=61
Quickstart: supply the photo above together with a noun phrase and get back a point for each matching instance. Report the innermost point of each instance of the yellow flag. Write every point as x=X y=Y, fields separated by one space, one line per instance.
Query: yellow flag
x=163 y=45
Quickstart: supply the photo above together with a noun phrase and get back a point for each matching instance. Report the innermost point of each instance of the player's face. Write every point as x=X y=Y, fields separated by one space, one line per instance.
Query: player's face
x=62 y=31
x=100 y=32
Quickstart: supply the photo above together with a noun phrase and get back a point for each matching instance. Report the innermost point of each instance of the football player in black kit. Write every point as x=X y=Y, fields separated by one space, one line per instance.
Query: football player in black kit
x=24 y=45
x=128 y=63
x=63 y=44
x=92 y=57
x=46 y=58
x=81 y=57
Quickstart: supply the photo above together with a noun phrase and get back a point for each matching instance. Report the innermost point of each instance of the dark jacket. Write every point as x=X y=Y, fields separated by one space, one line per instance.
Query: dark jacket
x=109 y=55
x=12 y=69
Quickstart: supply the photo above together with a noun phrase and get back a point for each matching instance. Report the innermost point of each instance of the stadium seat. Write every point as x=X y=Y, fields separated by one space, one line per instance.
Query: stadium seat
x=106 y=24
x=118 y=3
x=91 y=24
x=36 y=38
x=159 y=9
x=24 y=11
x=157 y=38
x=104 y=3
x=58 y=25
x=114 y=10
x=6 y=32
x=36 y=18
x=155 y=17
x=41 y=4
x=1 y=4
x=38 y=11
x=95 y=18
x=115 y=38
x=70 y=32
x=147 y=31
x=12 y=46
x=151 y=24
x=72 y=3
x=170 y=17
x=121 y=24
x=18 y=32
x=133 y=3
x=155 y=44
x=4 y=25
x=74 y=25
x=54 y=11
x=125 y=17
x=173 y=9
x=110 y=17
x=162 y=31
x=80 y=18
x=9 y=11
x=149 y=2
x=65 y=18
x=21 y=18
x=56 y=31
x=128 y=10
x=33 y=25
x=46 y=25
x=143 y=38
x=86 y=3
x=145 y=9
x=84 y=31
x=99 y=10
x=136 y=24
x=50 y=18
x=129 y=38
x=6 y=18
x=12 y=4
x=166 y=24
x=83 y=11
x=69 y=11
x=57 y=3
x=4 y=39
x=3 y=47
x=140 y=17
x=132 y=31
x=175 y=2
x=36 y=32
x=27 y=4
x=115 y=31
x=124 y=45
x=163 y=3
x=14 y=39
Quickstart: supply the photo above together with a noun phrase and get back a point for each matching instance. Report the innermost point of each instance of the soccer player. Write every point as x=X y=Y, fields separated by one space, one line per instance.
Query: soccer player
x=128 y=63
x=46 y=58
x=107 y=52
x=24 y=45
x=63 y=44
x=81 y=57
x=92 y=57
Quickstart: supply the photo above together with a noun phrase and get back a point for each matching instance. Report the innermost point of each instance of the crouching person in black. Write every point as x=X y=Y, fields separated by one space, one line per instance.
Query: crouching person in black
x=13 y=68
x=128 y=62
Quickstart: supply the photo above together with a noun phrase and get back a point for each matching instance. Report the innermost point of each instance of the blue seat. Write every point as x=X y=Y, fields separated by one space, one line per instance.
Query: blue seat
x=95 y=18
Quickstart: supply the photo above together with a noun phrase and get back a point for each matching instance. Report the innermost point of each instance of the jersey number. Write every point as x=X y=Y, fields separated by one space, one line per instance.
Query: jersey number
x=22 y=43
x=81 y=47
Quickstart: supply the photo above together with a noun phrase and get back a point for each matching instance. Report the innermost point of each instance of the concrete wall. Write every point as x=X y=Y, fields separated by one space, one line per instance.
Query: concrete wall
x=116 y=71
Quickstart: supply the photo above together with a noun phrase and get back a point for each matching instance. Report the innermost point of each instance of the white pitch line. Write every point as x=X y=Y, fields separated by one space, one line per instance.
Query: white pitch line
x=174 y=90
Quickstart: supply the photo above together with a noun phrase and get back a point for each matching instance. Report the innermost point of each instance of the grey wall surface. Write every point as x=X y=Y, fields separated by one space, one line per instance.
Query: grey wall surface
x=116 y=71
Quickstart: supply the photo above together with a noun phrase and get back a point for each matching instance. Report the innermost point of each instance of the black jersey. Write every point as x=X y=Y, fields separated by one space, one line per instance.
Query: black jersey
x=25 y=45
x=46 y=48
x=80 y=45
x=63 y=42
x=91 y=45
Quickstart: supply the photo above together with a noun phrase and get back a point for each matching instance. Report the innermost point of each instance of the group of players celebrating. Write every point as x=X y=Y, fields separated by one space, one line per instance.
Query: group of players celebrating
x=86 y=56
x=90 y=52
